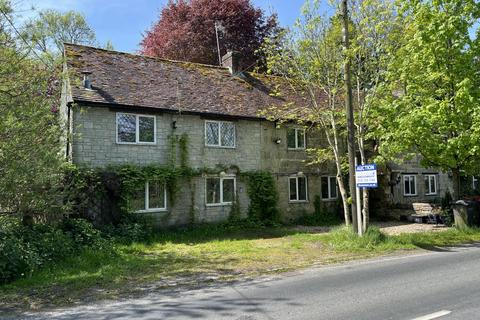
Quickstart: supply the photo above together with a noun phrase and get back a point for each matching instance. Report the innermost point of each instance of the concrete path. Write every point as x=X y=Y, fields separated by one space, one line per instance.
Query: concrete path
x=443 y=284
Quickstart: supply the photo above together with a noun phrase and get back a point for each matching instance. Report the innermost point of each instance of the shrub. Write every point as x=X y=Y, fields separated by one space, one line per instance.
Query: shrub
x=263 y=196
x=14 y=259
x=128 y=232
x=132 y=228
x=24 y=250
x=83 y=233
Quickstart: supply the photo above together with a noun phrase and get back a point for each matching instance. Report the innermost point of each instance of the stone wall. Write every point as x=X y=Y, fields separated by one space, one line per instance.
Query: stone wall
x=257 y=148
x=260 y=145
x=413 y=167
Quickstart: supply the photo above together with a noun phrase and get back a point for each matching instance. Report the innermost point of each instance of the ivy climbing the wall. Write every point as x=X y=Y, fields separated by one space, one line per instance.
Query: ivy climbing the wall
x=122 y=184
x=133 y=180
x=263 y=196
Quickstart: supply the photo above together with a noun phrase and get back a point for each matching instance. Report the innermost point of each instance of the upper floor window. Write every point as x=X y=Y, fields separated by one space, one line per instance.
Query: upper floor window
x=295 y=138
x=430 y=184
x=135 y=128
x=220 y=190
x=220 y=134
x=297 y=188
x=153 y=197
x=329 y=188
x=409 y=185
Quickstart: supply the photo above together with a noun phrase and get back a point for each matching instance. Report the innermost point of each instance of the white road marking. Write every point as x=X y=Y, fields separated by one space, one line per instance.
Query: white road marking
x=434 y=315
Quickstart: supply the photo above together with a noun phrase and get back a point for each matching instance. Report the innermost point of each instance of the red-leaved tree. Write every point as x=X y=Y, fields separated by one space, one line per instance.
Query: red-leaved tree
x=186 y=31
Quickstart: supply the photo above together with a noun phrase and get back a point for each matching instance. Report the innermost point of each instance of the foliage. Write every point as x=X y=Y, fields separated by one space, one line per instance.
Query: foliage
x=432 y=92
x=83 y=186
x=25 y=250
x=309 y=58
x=50 y=29
x=83 y=233
x=263 y=196
x=30 y=153
x=129 y=230
x=186 y=31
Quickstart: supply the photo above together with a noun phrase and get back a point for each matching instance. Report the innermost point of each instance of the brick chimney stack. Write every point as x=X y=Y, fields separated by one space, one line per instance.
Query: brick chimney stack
x=232 y=61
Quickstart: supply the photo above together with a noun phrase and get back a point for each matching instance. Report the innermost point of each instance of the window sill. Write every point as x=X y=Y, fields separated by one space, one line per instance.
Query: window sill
x=218 y=204
x=410 y=195
x=220 y=147
x=329 y=199
x=431 y=194
x=152 y=211
x=137 y=143
x=296 y=149
x=297 y=201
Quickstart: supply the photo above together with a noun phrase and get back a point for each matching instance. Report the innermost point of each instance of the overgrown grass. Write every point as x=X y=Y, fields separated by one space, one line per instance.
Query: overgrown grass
x=204 y=254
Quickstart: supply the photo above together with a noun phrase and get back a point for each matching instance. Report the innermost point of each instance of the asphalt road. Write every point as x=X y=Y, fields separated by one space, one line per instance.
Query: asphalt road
x=443 y=284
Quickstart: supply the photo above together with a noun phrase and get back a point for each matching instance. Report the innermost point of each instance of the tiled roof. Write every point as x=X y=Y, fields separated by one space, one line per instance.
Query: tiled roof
x=139 y=81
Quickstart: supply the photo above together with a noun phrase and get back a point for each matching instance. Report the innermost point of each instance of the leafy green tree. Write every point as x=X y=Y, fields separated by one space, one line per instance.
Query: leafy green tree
x=309 y=59
x=30 y=157
x=431 y=94
x=50 y=29
x=377 y=29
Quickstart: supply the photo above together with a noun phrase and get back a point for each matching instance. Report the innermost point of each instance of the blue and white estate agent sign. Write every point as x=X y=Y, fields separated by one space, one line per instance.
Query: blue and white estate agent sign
x=366 y=176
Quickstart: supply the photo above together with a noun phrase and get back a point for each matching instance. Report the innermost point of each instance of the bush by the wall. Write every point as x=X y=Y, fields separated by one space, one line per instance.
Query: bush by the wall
x=263 y=196
x=24 y=250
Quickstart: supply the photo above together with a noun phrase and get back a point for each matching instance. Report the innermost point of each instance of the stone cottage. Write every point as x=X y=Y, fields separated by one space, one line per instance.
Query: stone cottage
x=124 y=108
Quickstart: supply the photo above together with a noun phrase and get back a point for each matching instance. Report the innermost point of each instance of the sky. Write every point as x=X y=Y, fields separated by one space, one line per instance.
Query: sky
x=124 y=21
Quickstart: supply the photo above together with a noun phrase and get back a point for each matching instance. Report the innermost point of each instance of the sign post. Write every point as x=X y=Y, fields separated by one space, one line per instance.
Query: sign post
x=365 y=177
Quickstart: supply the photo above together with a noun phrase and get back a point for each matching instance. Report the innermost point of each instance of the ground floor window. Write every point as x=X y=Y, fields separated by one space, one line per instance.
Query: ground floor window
x=430 y=184
x=298 y=188
x=153 y=197
x=409 y=185
x=329 y=188
x=220 y=190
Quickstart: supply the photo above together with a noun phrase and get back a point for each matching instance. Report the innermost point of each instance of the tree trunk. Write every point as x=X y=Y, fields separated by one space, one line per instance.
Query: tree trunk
x=366 y=210
x=349 y=111
x=344 y=195
x=456 y=184
x=365 y=192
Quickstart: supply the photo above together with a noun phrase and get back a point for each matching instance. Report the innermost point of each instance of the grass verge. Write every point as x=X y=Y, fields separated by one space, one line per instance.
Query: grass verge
x=204 y=255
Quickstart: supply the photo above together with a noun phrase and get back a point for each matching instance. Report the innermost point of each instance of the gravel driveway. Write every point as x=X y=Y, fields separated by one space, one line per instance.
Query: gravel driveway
x=396 y=227
x=390 y=228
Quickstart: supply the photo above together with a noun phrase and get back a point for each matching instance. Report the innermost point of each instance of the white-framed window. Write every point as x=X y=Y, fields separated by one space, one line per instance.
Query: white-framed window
x=430 y=184
x=329 y=187
x=296 y=138
x=219 y=134
x=136 y=129
x=220 y=191
x=297 y=187
x=410 y=185
x=151 y=198
x=474 y=183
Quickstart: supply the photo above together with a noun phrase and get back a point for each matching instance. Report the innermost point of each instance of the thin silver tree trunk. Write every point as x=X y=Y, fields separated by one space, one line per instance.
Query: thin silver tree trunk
x=349 y=111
